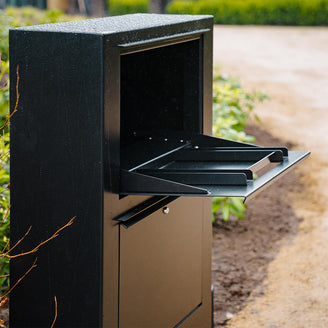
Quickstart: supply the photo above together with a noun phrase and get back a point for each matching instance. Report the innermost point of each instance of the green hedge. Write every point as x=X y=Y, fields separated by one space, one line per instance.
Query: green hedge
x=123 y=7
x=257 y=12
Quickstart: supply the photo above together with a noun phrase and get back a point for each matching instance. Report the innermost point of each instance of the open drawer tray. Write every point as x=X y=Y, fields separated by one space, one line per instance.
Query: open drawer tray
x=208 y=166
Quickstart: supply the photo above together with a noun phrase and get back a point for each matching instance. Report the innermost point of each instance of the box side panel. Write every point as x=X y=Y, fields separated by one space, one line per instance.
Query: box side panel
x=56 y=174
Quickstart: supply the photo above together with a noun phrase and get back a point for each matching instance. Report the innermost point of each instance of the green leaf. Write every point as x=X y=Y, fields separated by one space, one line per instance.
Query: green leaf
x=226 y=211
x=258 y=120
x=238 y=202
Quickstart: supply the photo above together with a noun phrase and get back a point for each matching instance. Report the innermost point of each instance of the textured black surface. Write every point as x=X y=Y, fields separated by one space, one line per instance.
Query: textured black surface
x=117 y=24
x=56 y=173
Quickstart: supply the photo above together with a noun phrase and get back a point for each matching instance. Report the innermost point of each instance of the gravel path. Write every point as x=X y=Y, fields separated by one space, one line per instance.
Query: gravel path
x=291 y=64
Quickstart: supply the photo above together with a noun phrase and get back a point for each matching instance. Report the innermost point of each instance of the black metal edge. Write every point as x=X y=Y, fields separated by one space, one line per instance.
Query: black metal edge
x=163 y=41
x=136 y=183
x=148 y=210
x=295 y=157
x=138 y=208
x=284 y=150
x=223 y=155
x=144 y=33
x=203 y=178
x=204 y=141
x=157 y=159
x=150 y=171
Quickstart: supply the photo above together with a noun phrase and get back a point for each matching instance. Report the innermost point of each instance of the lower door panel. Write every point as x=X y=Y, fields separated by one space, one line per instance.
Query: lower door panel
x=161 y=266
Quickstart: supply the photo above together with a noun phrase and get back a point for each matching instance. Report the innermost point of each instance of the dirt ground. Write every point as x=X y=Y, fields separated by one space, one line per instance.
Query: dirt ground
x=242 y=249
x=285 y=265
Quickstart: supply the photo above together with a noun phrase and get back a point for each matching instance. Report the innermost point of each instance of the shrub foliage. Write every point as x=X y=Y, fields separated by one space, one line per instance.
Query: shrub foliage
x=123 y=7
x=257 y=12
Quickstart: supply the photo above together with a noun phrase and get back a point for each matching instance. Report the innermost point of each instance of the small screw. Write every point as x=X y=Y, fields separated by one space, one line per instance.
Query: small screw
x=181 y=140
x=166 y=210
x=196 y=147
x=150 y=138
x=165 y=139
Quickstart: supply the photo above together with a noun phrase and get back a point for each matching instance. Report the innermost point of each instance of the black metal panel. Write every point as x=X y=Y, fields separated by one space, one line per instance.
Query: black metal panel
x=56 y=173
x=160 y=93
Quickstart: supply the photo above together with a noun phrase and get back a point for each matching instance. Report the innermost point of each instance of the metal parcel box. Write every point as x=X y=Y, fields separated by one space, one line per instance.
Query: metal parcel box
x=113 y=126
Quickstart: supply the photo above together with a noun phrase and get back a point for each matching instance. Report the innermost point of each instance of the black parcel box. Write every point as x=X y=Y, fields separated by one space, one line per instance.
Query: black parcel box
x=113 y=127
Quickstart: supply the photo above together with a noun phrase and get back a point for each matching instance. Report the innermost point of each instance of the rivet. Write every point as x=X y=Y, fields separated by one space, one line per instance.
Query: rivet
x=166 y=210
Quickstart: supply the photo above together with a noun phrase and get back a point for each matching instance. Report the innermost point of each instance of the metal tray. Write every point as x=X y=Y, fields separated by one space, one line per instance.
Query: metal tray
x=208 y=166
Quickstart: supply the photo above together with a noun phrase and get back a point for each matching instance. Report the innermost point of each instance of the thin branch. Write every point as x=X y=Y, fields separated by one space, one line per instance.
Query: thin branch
x=2 y=305
x=17 y=100
x=55 y=318
x=19 y=280
x=6 y=215
x=5 y=247
x=4 y=302
x=4 y=155
x=5 y=189
x=70 y=222
x=19 y=241
x=3 y=142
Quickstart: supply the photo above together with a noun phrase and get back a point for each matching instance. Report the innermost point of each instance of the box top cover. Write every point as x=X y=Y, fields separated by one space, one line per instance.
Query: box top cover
x=116 y=24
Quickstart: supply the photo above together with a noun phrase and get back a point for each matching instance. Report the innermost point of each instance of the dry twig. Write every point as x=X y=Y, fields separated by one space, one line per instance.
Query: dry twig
x=19 y=280
x=55 y=318
x=70 y=222
x=17 y=101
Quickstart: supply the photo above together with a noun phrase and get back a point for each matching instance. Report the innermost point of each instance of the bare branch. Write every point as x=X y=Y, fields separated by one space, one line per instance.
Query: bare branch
x=4 y=302
x=17 y=101
x=19 y=241
x=70 y=222
x=55 y=318
x=19 y=280
x=6 y=215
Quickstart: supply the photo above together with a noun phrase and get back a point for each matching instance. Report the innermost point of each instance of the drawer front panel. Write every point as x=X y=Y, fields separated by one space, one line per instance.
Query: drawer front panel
x=161 y=266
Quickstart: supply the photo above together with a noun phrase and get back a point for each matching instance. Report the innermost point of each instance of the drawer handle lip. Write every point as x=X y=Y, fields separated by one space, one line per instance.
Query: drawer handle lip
x=146 y=208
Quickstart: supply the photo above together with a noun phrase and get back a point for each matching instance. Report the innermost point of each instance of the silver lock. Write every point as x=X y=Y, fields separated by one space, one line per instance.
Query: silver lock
x=166 y=210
